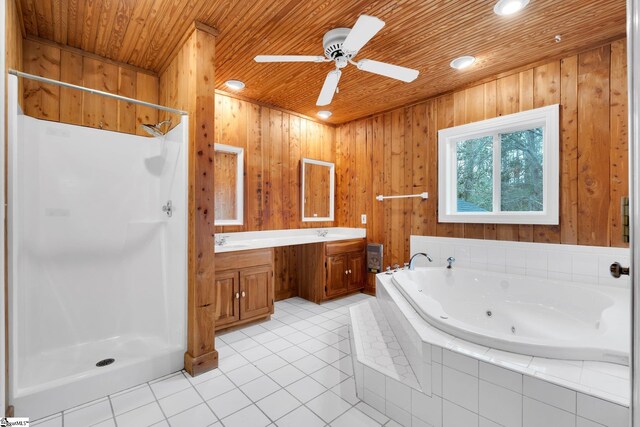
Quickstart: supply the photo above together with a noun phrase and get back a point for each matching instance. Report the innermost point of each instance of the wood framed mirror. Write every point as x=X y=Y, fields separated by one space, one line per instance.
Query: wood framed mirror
x=228 y=185
x=317 y=190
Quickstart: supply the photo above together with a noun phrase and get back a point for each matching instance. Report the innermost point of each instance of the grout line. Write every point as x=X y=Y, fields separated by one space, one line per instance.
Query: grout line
x=113 y=412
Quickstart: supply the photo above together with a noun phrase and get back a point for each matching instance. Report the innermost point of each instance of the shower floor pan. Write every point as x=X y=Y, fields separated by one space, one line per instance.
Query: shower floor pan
x=55 y=380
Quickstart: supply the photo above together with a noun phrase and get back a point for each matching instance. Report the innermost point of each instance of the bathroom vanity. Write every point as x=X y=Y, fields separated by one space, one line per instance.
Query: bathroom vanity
x=244 y=287
x=332 y=269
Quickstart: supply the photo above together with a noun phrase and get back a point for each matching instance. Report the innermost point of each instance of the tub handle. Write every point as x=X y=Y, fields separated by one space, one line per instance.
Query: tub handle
x=618 y=270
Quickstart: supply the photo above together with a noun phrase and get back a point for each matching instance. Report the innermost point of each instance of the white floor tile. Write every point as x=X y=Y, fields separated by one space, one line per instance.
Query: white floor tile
x=278 y=404
x=286 y=375
x=329 y=354
x=277 y=345
x=232 y=362
x=244 y=344
x=228 y=403
x=292 y=354
x=53 y=421
x=354 y=418
x=169 y=385
x=88 y=415
x=132 y=399
x=345 y=365
x=141 y=417
x=329 y=376
x=244 y=374
x=256 y=353
x=328 y=406
x=259 y=388
x=198 y=416
x=297 y=337
x=312 y=345
x=372 y=413
x=306 y=389
x=215 y=387
x=180 y=401
x=347 y=390
x=265 y=337
x=309 y=364
x=270 y=363
x=249 y=416
x=301 y=417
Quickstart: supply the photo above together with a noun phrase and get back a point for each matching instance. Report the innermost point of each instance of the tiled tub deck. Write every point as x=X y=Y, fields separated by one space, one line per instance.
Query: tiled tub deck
x=438 y=380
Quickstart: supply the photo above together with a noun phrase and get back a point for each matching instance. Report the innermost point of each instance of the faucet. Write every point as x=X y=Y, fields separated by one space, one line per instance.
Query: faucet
x=413 y=259
x=450 y=262
x=221 y=240
x=322 y=233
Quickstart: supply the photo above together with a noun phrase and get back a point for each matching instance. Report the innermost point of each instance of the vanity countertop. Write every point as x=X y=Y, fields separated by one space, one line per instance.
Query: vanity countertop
x=247 y=240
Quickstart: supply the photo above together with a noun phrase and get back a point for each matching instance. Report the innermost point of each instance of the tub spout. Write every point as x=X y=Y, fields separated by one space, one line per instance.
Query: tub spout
x=413 y=258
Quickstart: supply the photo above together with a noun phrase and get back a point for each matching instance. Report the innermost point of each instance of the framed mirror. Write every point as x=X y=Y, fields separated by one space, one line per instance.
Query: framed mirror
x=317 y=190
x=228 y=185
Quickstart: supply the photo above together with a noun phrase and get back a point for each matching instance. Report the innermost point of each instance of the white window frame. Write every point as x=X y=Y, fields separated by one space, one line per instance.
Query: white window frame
x=548 y=119
x=239 y=152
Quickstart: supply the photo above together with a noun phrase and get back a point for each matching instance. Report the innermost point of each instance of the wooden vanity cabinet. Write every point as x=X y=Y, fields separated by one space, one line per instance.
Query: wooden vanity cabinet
x=244 y=287
x=331 y=269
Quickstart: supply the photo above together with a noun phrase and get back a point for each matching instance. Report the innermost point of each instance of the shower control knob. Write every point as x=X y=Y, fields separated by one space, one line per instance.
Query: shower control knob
x=618 y=270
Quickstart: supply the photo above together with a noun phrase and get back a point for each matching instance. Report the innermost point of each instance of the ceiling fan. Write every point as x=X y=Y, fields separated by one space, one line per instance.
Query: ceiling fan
x=341 y=45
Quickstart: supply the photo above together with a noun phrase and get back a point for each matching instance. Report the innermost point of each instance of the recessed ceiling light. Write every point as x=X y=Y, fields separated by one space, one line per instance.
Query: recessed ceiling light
x=509 y=7
x=462 y=62
x=324 y=114
x=234 y=84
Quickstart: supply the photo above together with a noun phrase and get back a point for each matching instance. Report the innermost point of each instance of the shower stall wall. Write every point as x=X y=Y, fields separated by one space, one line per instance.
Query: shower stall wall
x=97 y=260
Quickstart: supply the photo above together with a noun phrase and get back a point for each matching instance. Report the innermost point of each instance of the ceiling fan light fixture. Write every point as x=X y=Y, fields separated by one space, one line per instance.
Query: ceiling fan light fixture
x=324 y=114
x=509 y=7
x=234 y=84
x=462 y=62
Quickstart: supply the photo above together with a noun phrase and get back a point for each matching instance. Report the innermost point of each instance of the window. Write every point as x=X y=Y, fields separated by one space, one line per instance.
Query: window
x=502 y=170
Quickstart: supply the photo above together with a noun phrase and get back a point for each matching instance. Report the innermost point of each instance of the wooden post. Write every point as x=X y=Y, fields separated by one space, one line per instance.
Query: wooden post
x=188 y=83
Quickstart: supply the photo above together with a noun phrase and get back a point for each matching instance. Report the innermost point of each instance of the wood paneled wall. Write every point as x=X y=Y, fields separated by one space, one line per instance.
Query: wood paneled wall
x=72 y=106
x=396 y=153
x=13 y=40
x=274 y=143
x=187 y=84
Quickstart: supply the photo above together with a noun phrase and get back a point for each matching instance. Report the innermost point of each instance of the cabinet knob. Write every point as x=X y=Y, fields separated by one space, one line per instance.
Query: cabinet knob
x=346 y=272
x=237 y=295
x=243 y=294
x=349 y=271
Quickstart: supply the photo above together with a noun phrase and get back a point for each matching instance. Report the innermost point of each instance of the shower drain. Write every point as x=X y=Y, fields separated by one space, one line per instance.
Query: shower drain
x=105 y=362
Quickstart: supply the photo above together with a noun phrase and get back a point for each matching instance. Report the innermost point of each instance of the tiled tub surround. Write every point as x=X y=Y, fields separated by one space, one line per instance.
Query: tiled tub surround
x=464 y=384
x=587 y=265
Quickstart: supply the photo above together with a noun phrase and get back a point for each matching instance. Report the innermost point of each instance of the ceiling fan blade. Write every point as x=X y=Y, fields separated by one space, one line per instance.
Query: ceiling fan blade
x=366 y=27
x=388 y=70
x=289 y=58
x=329 y=88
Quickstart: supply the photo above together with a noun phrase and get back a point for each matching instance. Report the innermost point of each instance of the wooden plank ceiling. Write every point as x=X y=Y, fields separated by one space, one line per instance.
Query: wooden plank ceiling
x=420 y=34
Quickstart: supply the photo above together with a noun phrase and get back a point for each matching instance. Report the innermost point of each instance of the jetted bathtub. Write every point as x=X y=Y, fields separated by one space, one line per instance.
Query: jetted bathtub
x=527 y=315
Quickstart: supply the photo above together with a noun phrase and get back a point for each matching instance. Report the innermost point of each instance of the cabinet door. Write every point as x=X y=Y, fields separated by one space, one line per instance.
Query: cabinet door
x=337 y=275
x=227 y=298
x=256 y=292
x=356 y=270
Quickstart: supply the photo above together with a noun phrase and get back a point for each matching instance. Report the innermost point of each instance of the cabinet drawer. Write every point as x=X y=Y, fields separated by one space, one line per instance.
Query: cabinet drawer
x=243 y=259
x=334 y=248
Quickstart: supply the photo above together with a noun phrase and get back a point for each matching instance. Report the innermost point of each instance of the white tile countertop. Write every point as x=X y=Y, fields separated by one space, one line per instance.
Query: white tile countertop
x=247 y=240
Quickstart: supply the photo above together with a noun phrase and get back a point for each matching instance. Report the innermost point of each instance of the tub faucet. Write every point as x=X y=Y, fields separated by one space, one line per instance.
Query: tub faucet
x=450 y=262
x=413 y=259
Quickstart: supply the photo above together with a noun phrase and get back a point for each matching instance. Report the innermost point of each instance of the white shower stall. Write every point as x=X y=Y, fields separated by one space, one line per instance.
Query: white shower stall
x=97 y=256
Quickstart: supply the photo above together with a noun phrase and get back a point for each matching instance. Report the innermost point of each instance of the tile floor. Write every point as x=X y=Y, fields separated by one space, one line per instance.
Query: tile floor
x=293 y=370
